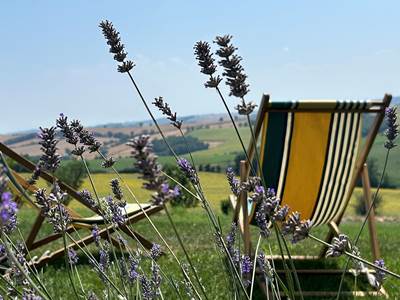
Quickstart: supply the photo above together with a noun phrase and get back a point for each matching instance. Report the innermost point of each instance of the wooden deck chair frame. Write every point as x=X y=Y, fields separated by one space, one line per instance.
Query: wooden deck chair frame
x=78 y=222
x=361 y=170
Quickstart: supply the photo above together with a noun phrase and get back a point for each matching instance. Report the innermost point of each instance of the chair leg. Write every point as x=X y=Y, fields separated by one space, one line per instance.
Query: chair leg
x=35 y=229
x=371 y=218
x=333 y=231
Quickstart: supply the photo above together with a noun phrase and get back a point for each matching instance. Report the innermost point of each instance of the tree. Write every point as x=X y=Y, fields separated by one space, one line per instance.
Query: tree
x=72 y=172
x=184 y=199
x=360 y=204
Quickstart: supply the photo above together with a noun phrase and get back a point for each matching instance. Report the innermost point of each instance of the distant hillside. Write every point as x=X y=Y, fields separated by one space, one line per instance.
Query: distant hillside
x=114 y=136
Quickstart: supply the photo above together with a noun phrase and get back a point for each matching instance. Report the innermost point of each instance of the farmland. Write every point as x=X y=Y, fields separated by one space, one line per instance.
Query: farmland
x=201 y=246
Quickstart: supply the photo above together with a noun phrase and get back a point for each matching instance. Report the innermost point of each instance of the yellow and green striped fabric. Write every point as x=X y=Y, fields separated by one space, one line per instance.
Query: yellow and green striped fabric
x=309 y=157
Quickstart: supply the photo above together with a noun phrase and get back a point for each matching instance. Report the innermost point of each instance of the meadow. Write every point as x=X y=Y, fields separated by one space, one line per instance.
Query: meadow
x=193 y=227
x=225 y=147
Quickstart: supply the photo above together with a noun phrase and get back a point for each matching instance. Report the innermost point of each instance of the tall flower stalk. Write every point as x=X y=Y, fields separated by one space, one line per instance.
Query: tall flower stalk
x=206 y=61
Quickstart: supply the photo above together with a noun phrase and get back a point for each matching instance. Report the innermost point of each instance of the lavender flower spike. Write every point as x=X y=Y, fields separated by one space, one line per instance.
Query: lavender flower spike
x=188 y=170
x=72 y=257
x=380 y=275
x=234 y=72
x=116 y=189
x=155 y=251
x=50 y=158
x=233 y=181
x=108 y=162
x=339 y=245
x=166 y=110
x=301 y=232
x=202 y=51
x=8 y=213
x=392 y=131
x=116 y=46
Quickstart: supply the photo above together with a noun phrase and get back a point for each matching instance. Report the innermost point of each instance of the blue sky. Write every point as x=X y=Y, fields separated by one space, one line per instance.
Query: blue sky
x=53 y=57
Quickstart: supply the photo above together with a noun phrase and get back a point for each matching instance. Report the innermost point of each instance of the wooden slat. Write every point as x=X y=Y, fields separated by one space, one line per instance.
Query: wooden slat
x=43 y=174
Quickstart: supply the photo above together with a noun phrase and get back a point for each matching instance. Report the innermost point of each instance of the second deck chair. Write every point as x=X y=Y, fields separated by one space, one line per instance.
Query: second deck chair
x=133 y=214
x=311 y=154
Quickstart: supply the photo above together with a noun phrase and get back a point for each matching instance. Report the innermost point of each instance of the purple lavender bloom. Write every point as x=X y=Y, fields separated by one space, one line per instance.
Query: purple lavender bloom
x=281 y=214
x=116 y=46
x=108 y=162
x=246 y=265
x=29 y=294
x=165 y=188
x=259 y=189
x=8 y=213
x=50 y=159
x=2 y=250
x=176 y=191
x=289 y=226
x=166 y=110
x=36 y=173
x=231 y=238
x=155 y=251
x=165 y=194
x=146 y=162
x=87 y=197
x=92 y=296
x=116 y=189
x=392 y=131
x=146 y=286
x=72 y=256
x=53 y=208
x=156 y=277
x=67 y=130
x=233 y=70
x=115 y=211
x=202 y=51
x=86 y=137
x=233 y=181
x=188 y=170
x=133 y=268
x=301 y=231
x=339 y=245
x=96 y=235
x=104 y=258
x=262 y=223
x=380 y=275
x=265 y=266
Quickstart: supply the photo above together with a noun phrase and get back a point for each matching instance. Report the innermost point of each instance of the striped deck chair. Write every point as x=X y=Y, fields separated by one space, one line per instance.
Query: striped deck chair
x=311 y=154
x=133 y=213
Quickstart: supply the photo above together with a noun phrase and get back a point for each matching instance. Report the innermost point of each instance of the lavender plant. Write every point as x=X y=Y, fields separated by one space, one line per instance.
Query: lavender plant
x=139 y=275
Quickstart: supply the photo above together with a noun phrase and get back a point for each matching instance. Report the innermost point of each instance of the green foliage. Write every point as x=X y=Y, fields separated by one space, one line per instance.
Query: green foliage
x=179 y=145
x=184 y=199
x=375 y=173
x=72 y=173
x=360 y=208
x=226 y=206
x=17 y=167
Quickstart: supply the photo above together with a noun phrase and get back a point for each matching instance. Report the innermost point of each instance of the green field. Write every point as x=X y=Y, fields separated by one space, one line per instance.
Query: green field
x=193 y=226
x=216 y=189
x=227 y=147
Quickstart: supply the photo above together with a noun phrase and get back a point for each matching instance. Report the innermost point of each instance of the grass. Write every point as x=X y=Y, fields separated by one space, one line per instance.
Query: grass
x=193 y=226
x=216 y=189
